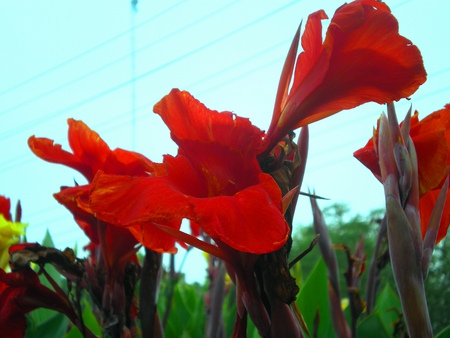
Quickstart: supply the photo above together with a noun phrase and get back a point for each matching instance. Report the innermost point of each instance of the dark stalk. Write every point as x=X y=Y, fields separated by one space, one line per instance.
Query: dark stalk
x=150 y=278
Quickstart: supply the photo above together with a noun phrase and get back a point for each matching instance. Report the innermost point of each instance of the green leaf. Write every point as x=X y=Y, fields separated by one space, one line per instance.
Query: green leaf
x=89 y=318
x=313 y=299
x=48 y=242
x=388 y=307
x=445 y=333
x=372 y=327
x=229 y=311
x=187 y=317
x=73 y=333
x=55 y=325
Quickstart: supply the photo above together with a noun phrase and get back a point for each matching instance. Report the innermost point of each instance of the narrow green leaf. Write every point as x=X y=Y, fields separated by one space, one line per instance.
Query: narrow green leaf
x=372 y=327
x=73 y=333
x=90 y=320
x=313 y=299
x=187 y=315
x=388 y=306
x=48 y=242
x=445 y=333
x=53 y=326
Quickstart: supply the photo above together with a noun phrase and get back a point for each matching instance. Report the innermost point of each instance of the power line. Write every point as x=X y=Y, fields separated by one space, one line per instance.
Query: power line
x=110 y=90
x=28 y=157
x=88 y=51
x=125 y=57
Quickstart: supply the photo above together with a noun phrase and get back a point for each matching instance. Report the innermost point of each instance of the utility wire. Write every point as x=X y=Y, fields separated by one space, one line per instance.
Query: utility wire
x=144 y=75
x=88 y=51
x=118 y=120
x=125 y=57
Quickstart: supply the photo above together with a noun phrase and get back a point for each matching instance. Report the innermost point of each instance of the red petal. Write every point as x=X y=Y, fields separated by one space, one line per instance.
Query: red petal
x=5 y=207
x=48 y=151
x=188 y=119
x=426 y=205
x=136 y=203
x=124 y=162
x=362 y=68
x=359 y=67
x=88 y=147
x=220 y=148
x=126 y=201
x=153 y=238
x=69 y=197
x=368 y=156
x=250 y=221
x=432 y=152
x=307 y=73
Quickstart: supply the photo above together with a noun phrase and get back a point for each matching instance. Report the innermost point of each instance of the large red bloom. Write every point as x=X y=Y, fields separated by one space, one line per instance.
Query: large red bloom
x=215 y=181
x=431 y=138
x=89 y=155
x=363 y=58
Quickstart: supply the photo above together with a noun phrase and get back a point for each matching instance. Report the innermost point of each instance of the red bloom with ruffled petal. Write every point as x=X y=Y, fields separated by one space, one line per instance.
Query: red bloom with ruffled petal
x=431 y=138
x=215 y=181
x=89 y=155
x=352 y=66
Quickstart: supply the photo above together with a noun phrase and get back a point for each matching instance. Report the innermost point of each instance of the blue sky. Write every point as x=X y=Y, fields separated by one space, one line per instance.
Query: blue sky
x=79 y=58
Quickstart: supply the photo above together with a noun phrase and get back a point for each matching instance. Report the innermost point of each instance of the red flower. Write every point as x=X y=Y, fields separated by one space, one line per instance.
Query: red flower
x=431 y=138
x=22 y=292
x=91 y=154
x=112 y=248
x=363 y=58
x=215 y=181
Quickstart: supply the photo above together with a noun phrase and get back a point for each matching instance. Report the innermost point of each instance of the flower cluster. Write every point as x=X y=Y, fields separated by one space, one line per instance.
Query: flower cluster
x=236 y=184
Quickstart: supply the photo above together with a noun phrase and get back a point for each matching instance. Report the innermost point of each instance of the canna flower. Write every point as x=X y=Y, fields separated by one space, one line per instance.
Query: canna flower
x=9 y=231
x=91 y=154
x=216 y=182
x=431 y=139
x=362 y=59
x=113 y=249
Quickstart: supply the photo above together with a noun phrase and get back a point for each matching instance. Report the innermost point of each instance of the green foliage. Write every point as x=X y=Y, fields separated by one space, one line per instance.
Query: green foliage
x=343 y=229
x=445 y=333
x=380 y=323
x=313 y=301
x=89 y=321
x=44 y=322
x=187 y=316
x=437 y=287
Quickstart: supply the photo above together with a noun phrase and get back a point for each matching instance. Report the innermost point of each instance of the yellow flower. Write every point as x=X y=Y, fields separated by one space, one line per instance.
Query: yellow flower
x=9 y=235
